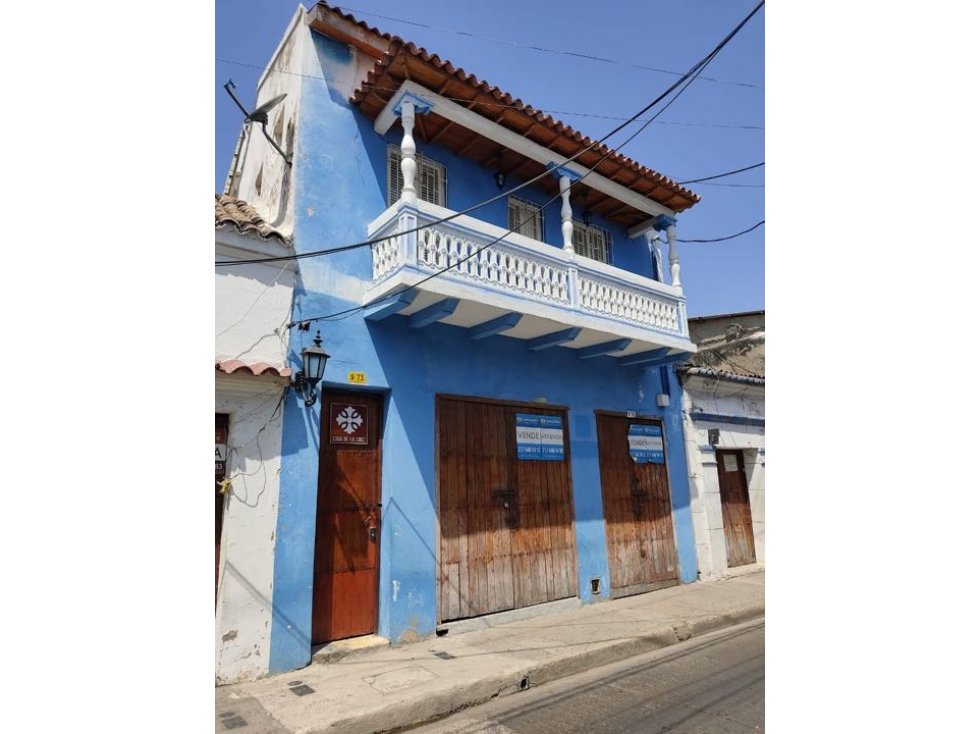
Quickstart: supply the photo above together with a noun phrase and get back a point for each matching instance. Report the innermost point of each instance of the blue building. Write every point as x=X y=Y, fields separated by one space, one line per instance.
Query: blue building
x=499 y=422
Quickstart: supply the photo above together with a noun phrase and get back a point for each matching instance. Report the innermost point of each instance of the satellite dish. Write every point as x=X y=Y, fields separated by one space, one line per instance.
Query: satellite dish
x=261 y=114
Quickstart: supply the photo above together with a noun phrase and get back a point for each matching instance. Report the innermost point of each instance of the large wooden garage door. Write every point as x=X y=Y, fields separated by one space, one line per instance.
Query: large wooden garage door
x=506 y=534
x=638 y=512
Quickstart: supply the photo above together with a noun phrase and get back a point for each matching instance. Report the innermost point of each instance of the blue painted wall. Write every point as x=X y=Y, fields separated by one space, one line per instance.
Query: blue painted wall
x=336 y=196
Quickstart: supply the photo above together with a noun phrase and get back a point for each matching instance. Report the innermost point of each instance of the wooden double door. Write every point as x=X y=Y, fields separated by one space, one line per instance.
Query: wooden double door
x=506 y=535
x=739 y=536
x=348 y=517
x=638 y=511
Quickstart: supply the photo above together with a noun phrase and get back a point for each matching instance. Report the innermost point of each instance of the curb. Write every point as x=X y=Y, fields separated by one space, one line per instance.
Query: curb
x=404 y=715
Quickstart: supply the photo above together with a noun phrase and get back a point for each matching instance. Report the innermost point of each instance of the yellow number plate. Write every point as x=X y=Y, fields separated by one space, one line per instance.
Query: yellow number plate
x=357 y=378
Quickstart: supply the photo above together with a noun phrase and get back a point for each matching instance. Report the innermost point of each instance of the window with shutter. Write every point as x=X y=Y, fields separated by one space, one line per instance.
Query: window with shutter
x=525 y=218
x=590 y=241
x=429 y=178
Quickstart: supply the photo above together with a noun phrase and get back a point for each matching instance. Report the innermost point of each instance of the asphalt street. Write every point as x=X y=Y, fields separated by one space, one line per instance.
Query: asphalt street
x=713 y=684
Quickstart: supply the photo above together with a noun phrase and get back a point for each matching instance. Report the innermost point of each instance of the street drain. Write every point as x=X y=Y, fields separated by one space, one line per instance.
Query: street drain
x=444 y=655
x=231 y=720
x=524 y=683
x=300 y=688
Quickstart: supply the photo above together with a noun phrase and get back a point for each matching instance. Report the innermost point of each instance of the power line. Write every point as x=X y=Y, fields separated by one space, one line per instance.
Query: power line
x=696 y=68
x=738 y=186
x=700 y=66
x=544 y=49
x=507 y=106
x=722 y=175
x=730 y=236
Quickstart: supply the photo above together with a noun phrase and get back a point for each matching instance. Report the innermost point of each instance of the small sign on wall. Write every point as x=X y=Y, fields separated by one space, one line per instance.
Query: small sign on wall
x=348 y=424
x=220 y=457
x=646 y=444
x=730 y=462
x=540 y=437
x=357 y=378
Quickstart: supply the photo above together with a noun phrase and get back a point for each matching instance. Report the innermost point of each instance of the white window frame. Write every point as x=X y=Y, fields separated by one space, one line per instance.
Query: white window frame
x=592 y=242
x=520 y=210
x=425 y=167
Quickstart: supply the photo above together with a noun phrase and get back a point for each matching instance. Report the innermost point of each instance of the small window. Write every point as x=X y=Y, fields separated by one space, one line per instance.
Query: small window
x=525 y=218
x=429 y=178
x=590 y=241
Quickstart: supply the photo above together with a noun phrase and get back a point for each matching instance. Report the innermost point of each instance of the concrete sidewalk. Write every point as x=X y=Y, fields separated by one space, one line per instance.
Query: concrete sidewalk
x=383 y=688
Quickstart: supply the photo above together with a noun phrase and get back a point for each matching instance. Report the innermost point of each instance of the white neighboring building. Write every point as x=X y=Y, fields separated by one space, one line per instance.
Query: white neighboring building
x=253 y=304
x=724 y=427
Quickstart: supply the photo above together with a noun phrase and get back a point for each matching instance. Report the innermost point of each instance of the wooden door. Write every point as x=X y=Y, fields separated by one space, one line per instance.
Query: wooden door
x=638 y=512
x=220 y=469
x=506 y=533
x=348 y=514
x=735 y=508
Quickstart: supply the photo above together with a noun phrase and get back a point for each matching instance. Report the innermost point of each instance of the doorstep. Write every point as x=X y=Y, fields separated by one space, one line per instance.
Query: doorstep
x=338 y=649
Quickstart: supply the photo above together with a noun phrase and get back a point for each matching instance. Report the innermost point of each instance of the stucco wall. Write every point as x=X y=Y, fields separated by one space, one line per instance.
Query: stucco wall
x=244 y=607
x=265 y=179
x=718 y=398
x=251 y=302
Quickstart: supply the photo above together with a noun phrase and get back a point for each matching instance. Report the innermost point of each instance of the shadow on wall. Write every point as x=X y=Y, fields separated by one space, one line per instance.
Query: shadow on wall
x=293 y=441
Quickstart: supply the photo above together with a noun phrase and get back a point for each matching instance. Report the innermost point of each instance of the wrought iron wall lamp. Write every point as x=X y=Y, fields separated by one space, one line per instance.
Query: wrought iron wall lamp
x=314 y=365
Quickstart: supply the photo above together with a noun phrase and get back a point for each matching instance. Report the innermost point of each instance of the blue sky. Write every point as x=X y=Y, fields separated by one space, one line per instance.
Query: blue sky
x=713 y=127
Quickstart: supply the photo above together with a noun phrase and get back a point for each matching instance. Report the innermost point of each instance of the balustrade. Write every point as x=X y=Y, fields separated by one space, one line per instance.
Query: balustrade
x=514 y=267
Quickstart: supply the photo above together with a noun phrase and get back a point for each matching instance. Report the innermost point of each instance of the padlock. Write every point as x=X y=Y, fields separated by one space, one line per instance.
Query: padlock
x=373 y=533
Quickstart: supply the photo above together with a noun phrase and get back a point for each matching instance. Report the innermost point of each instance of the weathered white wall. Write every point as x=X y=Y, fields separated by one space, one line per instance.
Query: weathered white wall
x=719 y=397
x=252 y=306
x=272 y=196
x=244 y=609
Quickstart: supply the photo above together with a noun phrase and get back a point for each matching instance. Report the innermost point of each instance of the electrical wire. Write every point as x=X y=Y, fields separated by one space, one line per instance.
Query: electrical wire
x=737 y=186
x=696 y=68
x=485 y=103
x=721 y=175
x=729 y=237
x=544 y=49
x=700 y=66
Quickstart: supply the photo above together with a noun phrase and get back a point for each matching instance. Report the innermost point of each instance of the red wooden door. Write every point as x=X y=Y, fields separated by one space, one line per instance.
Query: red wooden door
x=638 y=512
x=735 y=508
x=506 y=535
x=348 y=513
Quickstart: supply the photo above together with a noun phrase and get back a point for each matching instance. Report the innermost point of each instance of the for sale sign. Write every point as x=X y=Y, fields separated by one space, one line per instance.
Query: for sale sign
x=646 y=444
x=540 y=437
x=348 y=424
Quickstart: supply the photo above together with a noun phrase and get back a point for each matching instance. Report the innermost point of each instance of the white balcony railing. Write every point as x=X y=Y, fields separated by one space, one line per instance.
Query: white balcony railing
x=519 y=268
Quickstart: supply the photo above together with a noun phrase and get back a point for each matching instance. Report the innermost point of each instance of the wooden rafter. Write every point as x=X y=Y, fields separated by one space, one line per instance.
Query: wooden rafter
x=438 y=135
x=475 y=139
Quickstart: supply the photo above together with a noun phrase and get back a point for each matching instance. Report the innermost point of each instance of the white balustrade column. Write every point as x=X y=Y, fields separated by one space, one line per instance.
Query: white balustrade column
x=408 y=164
x=407 y=243
x=567 y=228
x=674 y=257
x=574 y=286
